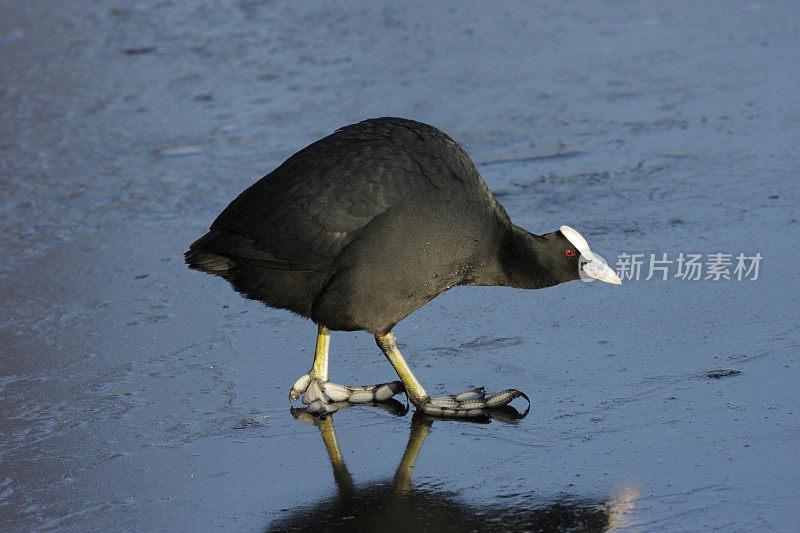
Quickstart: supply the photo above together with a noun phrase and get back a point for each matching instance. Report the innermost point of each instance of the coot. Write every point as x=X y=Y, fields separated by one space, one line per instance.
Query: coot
x=366 y=225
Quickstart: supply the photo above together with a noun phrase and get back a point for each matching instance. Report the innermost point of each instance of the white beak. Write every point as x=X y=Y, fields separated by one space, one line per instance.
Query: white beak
x=592 y=265
x=598 y=269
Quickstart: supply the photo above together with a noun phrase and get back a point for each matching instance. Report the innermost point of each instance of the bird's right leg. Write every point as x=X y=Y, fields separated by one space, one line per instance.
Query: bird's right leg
x=318 y=392
x=468 y=404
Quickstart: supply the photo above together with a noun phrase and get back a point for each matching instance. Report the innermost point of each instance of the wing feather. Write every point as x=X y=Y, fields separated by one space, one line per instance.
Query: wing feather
x=304 y=213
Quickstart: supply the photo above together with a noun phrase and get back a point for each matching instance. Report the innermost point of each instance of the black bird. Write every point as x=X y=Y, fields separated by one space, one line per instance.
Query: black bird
x=368 y=224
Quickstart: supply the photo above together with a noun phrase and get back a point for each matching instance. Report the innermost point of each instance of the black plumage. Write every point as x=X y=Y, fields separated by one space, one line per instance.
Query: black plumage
x=362 y=227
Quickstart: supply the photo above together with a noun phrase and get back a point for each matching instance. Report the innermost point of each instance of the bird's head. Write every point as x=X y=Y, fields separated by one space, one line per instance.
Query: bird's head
x=571 y=258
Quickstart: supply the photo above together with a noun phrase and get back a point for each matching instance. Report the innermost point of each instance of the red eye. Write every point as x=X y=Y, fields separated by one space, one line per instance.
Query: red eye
x=569 y=253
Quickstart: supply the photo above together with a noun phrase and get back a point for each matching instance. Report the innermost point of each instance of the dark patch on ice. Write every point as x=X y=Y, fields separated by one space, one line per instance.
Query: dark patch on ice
x=247 y=423
x=478 y=344
x=547 y=181
x=722 y=373
x=139 y=51
x=535 y=153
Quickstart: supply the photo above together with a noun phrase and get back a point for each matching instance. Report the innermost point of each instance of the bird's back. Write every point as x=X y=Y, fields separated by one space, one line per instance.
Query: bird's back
x=388 y=210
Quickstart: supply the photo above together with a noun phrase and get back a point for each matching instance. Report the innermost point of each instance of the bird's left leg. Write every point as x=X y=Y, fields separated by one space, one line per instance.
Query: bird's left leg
x=318 y=392
x=469 y=404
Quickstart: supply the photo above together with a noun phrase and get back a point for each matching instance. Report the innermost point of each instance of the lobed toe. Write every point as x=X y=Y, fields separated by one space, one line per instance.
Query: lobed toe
x=299 y=387
x=313 y=393
x=337 y=393
x=387 y=390
x=470 y=404
x=504 y=397
x=473 y=394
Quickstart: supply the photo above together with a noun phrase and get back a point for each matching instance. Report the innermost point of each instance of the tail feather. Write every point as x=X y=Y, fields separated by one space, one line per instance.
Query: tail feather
x=198 y=258
x=218 y=251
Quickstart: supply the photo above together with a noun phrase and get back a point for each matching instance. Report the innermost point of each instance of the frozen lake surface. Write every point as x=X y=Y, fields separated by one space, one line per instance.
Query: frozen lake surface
x=139 y=395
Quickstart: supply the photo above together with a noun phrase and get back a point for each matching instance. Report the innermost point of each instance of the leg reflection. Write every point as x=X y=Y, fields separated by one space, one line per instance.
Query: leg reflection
x=395 y=504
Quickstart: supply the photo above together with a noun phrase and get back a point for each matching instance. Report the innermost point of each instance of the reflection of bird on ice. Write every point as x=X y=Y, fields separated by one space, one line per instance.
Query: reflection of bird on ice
x=396 y=505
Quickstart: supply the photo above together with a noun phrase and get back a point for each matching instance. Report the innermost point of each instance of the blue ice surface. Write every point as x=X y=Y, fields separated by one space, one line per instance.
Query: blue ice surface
x=137 y=393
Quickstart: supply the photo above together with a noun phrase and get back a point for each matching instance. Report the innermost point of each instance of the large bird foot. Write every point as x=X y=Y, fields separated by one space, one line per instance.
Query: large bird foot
x=318 y=394
x=469 y=404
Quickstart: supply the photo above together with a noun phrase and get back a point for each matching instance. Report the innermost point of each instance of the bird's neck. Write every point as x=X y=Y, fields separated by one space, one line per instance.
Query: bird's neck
x=520 y=261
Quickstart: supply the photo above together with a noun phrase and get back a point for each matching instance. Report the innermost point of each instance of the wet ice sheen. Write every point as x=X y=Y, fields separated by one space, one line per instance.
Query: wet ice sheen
x=136 y=394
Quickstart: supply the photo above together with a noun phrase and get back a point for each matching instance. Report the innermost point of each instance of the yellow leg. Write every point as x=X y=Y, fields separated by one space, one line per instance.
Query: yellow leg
x=321 y=353
x=414 y=389
x=420 y=428
x=331 y=443
x=318 y=373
